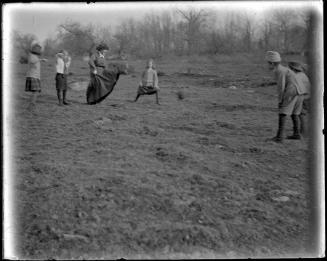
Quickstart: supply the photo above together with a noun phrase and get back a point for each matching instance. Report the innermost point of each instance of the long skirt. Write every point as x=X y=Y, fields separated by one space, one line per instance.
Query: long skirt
x=146 y=90
x=100 y=86
x=61 y=82
x=32 y=85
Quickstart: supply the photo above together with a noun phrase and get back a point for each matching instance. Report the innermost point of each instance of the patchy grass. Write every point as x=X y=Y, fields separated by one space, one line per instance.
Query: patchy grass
x=191 y=178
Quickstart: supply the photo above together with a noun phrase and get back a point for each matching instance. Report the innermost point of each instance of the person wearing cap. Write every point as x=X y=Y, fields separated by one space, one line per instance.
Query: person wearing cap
x=290 y=96
x=62 y=64
x=149 y=82
x=97 y=86
x=103 y=78
x=302 y=79
x=97 y=60
x=33 y=75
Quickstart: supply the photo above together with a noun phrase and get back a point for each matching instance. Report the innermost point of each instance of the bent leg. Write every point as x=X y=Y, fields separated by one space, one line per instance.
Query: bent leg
x=59 y=97
x=137 y=96
x=281 y=126
x=296 y=134
x=64 y=92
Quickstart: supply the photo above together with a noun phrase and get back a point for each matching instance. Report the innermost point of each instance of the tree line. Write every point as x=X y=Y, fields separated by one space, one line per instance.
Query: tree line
x=183 y=32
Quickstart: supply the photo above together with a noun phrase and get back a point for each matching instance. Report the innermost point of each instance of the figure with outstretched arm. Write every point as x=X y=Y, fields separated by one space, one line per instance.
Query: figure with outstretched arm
x=33 y=75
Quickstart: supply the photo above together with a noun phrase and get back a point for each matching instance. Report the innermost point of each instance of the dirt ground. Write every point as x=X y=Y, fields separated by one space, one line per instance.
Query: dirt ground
x=190 y=178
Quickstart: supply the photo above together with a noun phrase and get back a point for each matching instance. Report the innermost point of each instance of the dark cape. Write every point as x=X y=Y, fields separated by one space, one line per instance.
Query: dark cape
x=102 y=84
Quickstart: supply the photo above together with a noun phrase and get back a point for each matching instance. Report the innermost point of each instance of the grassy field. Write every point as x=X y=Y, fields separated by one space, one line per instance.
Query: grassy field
x=190 y=178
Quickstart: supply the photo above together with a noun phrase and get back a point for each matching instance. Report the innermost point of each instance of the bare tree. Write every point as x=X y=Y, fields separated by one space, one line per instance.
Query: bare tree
x=126 y=37
x=248 y=33
x=102 y=34
x=266 y=34
x=77 y=38
x=283 y=19
x=50 y=47
x=167 y=31
x=194 y=21
x=23 y=42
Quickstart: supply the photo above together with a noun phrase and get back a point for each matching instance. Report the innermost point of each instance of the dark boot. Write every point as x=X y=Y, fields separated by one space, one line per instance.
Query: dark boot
x=281 y=126
x=137 y=96
x=64 y=97
x=303 y=129
x=296 y=133
x=59 y=98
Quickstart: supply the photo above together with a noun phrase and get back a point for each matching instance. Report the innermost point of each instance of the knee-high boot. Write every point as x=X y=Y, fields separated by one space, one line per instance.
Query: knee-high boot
x=296 y=133
x=281 y=126
x=59 y=98
x=64 y=92
x=303 y=126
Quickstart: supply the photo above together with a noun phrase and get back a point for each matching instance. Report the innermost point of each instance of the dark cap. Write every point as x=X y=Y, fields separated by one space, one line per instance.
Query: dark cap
x=296 y=66
x=102 y=46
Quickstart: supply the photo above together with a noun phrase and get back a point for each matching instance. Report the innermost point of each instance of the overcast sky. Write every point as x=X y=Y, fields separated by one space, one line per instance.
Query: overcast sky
x=42 y=19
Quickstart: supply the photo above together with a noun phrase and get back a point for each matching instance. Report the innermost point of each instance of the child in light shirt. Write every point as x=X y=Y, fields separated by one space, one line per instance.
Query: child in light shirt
x=62 y=64
x=149 y=82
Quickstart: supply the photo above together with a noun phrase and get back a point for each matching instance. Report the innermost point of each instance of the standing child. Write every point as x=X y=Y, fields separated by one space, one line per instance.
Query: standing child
x=302 y=78
x=33 y=75
x=62 y=65
x=149 y=82
x=290 y=96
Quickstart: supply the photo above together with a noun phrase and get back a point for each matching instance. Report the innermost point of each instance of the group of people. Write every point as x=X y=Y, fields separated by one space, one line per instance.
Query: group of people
x=33 y=75
x=293 y=88
x=293 y=85
x=102 y=79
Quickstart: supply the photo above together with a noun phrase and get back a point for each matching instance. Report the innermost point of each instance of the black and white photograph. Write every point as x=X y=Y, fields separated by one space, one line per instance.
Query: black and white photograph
x=163 y=130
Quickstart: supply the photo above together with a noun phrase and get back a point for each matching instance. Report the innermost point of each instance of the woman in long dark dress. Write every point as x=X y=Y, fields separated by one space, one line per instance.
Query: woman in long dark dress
x=102 y=80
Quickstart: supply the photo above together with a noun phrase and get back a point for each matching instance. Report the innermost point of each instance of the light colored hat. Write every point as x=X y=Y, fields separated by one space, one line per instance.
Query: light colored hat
x=273 y=57
x=34 y=42
x=36 y=48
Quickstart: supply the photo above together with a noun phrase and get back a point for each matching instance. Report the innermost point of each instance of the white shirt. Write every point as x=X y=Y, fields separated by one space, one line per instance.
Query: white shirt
x=61 y=66
x=150 y=78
